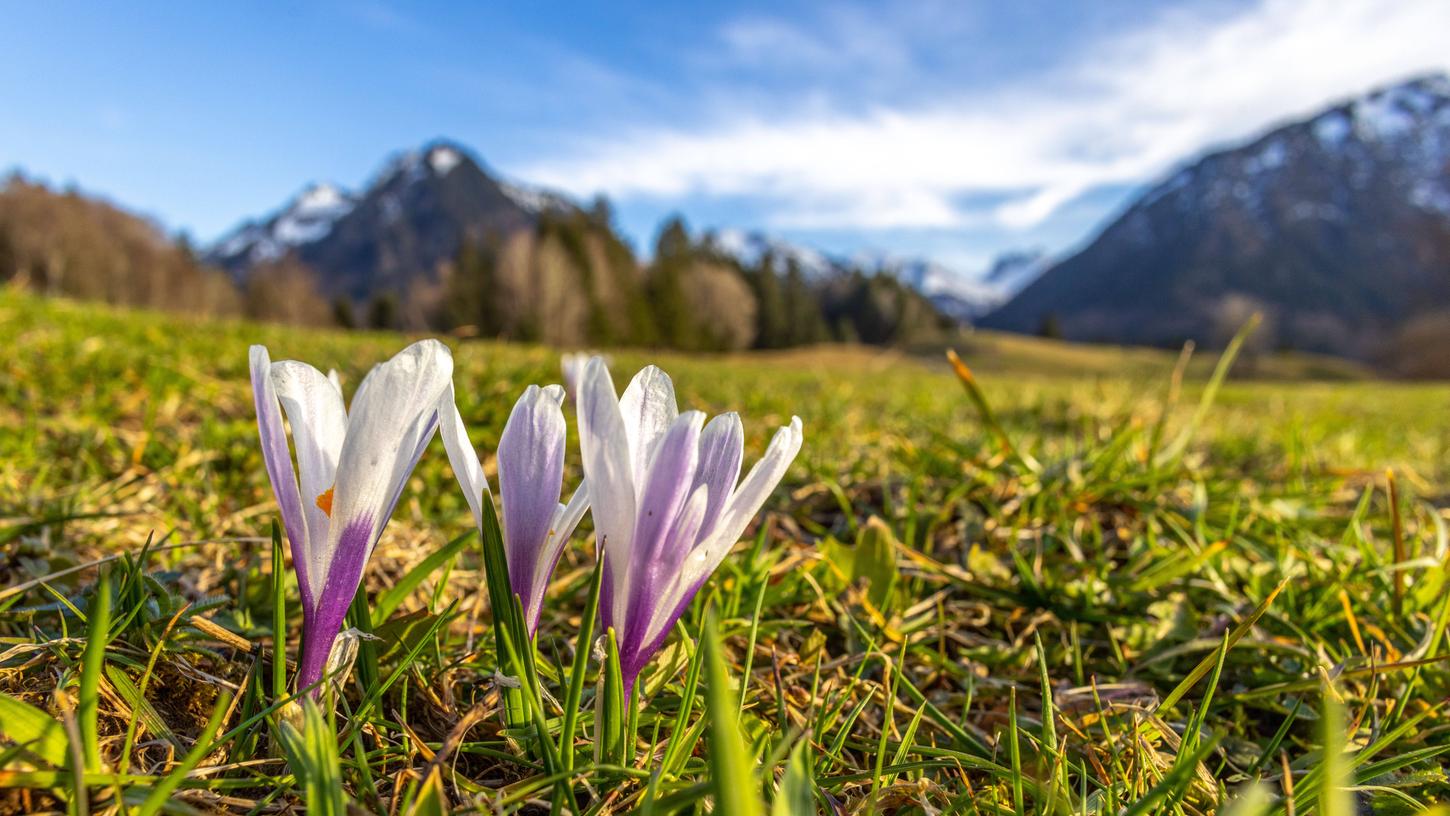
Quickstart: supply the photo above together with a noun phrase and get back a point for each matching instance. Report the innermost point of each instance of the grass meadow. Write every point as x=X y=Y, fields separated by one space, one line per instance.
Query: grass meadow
x=1088 y=581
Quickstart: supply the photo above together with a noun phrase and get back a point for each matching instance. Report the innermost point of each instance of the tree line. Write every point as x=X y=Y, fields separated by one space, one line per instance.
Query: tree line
x=570 y=280
x=573 y=282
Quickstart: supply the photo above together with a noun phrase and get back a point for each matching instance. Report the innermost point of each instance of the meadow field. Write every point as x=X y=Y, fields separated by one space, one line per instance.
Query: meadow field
x=1084 y=581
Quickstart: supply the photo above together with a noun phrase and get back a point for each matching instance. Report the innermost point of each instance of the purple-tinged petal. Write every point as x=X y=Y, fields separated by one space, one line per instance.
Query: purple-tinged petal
x=716 y=543
x=607 y=469
x=648 y=407
x=669 y=613
x=314 y=410
x=722 y=447
x=654 y=554
x=278 y=460
x=320 y=628
x=744 y=503
x=530 y=474
x=685 y=531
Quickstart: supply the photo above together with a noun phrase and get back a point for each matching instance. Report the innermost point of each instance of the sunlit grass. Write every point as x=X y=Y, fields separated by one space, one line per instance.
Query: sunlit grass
x=920 y=585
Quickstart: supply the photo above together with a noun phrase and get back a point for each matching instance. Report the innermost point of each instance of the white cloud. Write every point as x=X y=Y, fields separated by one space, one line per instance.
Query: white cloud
x=1120 y=111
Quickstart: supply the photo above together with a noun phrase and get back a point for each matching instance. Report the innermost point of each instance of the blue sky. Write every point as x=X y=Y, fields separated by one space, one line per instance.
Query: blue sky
x=954 y=130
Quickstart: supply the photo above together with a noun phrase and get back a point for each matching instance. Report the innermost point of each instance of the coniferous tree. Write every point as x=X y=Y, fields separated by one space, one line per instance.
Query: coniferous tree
x=384 y=311
x=343 y=312
x=771 y=318
x=673 y=318
x=804 y=323
x=473 y=299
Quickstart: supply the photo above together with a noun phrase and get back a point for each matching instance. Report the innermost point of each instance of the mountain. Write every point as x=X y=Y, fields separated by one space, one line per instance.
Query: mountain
x=956 y=295
x=1011 y=272
x=750 y=249
x=412 y=218
x=1336 y=227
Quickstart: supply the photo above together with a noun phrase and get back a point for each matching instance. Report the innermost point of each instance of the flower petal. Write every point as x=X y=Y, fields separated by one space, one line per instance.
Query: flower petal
x=314 y=409
x=530 y=474
x=686 y=529
x=722 y=447
x=461 y=455
x=278 y=460
x=419 y=434
x=607 y=469
x=654 y=554
x=648 y=407
x=566 y=517
x=392 y=419
x=757 y=486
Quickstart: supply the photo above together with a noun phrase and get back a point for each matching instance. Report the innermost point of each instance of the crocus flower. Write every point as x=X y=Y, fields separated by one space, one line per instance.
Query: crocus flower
x=530 y=474
x=667 y=508
x=352 y=468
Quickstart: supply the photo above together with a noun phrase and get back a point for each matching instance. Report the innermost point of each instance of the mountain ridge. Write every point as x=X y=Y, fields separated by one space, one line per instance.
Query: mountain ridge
x=1336 y=226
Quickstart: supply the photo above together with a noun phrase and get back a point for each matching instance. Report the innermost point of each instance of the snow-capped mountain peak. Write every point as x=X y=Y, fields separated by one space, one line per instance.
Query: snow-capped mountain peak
x=442 y=159
x=308 y=217
x=436 y=160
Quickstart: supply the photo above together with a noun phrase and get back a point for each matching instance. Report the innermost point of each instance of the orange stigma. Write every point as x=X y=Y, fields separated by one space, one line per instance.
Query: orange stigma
x=324 y=501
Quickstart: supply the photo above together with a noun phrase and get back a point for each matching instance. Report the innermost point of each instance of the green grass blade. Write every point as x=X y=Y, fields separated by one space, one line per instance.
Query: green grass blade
x=312 y=753
x=39 y=733
x=732 y=775
x=1335 y=795
x=98 y=631
x=1234 y=636
x=583 y=646
x=796 y=796
x=1210 y=392
x=279 y=615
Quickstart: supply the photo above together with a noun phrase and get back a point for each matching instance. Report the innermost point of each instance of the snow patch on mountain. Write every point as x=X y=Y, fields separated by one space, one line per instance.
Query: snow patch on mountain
x=1331 y=129
x=1012 y=272
x=536 y=200
x=412 y=166
x=1398 y=110
x=1270 y=157
x=751 y=249
x=443 y=159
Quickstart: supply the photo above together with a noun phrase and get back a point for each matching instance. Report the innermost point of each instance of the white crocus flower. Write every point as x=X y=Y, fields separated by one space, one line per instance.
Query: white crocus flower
x=352 y=467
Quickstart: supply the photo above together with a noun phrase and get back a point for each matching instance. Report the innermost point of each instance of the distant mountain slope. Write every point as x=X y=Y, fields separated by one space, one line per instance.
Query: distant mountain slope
x=414 y=216
x=1337 y=227
x=955 y=294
